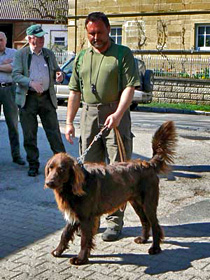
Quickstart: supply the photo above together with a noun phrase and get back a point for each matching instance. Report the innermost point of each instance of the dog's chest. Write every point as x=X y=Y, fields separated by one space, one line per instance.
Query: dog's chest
x=70 y=217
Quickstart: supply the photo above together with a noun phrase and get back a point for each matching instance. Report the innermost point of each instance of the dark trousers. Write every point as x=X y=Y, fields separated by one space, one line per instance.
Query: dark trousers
x=42 y=106
x=7 y=99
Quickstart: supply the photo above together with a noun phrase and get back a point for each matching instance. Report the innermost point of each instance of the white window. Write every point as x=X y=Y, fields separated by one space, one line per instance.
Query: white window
x=59 y=41
x=116 y=34
x=203 y=37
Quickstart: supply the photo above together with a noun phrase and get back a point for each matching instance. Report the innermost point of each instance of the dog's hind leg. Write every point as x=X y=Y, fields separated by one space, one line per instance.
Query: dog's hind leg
x=144 y=221
x=157 y=232
x=67 y=235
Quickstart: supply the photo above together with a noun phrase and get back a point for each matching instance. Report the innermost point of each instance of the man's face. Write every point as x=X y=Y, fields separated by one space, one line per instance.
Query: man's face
x=3 y=43
x=98 y=35
x=36 y=42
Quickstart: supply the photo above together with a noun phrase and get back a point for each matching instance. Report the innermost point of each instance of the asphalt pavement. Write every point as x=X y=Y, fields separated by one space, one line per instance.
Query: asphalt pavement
x=31 y=225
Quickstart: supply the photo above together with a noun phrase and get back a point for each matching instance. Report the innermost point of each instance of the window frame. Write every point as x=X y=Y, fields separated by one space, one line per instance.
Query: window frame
x=116 y=36
x=59 y=43
x=202 y=48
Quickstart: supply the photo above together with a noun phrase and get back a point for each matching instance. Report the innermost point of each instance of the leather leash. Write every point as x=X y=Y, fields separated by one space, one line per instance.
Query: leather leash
x=122 y=156
x=120 y=145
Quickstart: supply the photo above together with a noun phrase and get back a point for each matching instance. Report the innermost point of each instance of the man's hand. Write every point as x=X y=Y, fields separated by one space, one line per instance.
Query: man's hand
x=37 y=86
x=70 y=133
x=7 y=61
x=59 y=77
x=112 y=121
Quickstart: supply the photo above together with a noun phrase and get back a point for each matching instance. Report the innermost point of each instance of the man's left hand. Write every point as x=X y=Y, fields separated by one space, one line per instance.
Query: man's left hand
x=112 y=121
x=59 y=77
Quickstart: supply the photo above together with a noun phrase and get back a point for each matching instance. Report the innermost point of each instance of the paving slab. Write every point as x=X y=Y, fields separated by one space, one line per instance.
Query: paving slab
x=31 y=225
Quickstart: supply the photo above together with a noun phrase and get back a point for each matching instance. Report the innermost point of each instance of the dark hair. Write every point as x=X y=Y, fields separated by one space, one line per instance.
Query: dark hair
x=96 y=16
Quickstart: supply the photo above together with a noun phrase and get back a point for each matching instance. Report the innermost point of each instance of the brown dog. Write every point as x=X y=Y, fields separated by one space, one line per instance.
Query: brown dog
x=84 y=193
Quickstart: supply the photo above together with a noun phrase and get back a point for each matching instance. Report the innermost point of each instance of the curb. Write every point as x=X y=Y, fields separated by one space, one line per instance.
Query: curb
x=171 y=110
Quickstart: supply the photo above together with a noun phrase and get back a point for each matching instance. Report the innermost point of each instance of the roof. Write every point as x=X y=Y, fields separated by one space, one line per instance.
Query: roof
x=29 y=10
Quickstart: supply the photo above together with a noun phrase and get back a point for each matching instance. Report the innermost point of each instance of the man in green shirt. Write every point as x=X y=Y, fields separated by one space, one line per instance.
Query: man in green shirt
x=105 y=82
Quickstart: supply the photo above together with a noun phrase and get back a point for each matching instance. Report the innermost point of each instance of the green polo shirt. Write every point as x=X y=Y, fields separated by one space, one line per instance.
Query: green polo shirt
x=101 y=69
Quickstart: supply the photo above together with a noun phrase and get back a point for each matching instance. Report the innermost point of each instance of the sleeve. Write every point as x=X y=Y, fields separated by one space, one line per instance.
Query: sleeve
x=129 y=72
x=55 y=64
x=75 y=83
x=18 y=71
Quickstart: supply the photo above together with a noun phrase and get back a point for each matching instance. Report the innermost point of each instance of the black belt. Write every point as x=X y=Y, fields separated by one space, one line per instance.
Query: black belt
x=30 y=92
x=5 y=84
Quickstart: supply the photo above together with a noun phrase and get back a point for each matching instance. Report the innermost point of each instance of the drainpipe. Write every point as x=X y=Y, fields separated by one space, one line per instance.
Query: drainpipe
x=75 y=24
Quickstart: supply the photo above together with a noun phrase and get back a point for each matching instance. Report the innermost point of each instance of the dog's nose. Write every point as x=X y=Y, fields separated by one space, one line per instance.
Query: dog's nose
x=48 y=184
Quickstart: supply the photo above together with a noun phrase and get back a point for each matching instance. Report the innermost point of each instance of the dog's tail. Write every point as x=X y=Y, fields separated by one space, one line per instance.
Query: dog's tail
x=163 y=145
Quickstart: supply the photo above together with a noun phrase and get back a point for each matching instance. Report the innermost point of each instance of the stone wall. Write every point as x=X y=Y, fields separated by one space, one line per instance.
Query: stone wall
x=181 y=91
x=146 y=24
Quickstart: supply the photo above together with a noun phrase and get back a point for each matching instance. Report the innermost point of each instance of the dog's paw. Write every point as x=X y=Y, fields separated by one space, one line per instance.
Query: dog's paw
x=56 y=253
x=154 y=250
x=77 y=261
x=140 y=240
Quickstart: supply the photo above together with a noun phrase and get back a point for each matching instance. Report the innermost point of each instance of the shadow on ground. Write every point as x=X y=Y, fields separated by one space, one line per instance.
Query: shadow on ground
x=179 y=257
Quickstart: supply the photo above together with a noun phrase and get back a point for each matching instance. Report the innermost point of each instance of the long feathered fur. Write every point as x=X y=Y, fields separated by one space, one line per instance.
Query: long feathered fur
x=163 y=146
x=84 y=193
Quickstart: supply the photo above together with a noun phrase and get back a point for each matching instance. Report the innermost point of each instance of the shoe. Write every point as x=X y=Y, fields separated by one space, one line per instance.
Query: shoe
x=111 y=234
x=19 y=161
x=33 y=172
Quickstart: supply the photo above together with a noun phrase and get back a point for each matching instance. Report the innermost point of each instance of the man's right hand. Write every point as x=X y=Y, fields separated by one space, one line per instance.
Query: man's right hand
x=37 y=86
x=70 y=133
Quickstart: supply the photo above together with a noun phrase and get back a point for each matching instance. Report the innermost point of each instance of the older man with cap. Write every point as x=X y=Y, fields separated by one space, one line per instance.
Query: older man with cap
x=35 y=71
x=7 y=97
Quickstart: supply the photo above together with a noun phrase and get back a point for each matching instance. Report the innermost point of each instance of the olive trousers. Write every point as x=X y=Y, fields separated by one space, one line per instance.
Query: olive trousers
x=105 y=149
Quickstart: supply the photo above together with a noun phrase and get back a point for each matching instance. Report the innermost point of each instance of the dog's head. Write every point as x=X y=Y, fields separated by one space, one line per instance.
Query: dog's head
x=62 y=169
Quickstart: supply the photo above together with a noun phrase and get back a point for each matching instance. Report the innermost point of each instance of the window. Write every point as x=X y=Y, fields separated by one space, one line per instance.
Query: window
x=59 y=41
x=116 y=34
x=203 y=37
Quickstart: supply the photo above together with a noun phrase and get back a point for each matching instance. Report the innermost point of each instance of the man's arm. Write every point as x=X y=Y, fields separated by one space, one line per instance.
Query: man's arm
x=18 y=73
x=114 y=119
x=6 y=66
x=73 y=106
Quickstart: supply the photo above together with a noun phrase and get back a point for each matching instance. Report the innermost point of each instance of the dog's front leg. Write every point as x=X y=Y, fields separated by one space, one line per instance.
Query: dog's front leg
x=67 y=235
x=86 y=244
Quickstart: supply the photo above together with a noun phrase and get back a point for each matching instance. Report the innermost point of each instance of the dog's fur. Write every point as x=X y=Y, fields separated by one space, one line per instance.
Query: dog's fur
x=84 y=193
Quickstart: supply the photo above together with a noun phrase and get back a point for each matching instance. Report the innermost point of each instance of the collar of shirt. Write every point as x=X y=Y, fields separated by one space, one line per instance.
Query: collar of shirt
x=33 y=52
x=4 y=52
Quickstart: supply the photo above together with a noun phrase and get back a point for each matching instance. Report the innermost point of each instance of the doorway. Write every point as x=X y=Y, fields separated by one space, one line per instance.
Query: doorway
x=7 y=29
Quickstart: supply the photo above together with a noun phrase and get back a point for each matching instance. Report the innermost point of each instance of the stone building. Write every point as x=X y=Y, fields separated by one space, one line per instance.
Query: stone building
x=17 y=15
x=148 y=26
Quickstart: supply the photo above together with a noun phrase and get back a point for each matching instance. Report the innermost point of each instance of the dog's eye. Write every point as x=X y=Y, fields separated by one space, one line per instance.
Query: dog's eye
x=61 y=170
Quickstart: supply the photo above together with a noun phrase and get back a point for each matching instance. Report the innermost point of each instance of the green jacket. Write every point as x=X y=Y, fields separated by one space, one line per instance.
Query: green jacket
x=20 y=74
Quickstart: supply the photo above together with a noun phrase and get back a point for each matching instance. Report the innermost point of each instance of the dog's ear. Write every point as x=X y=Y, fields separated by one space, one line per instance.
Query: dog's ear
x=46 y=171
x=79 y=179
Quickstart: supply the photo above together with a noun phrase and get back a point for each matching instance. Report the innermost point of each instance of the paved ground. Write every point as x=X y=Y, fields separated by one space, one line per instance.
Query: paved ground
x=31 y=225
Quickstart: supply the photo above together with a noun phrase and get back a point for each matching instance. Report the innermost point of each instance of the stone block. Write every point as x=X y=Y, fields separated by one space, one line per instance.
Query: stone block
x=164 y=100
x=178 y=89
x=177 y=101
x=197 y=96
x=191 y=90
x=206 y=97
x=165 y=88
x=171 y=95
x=204 y=90
x=184 y=95
x=159 y=94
